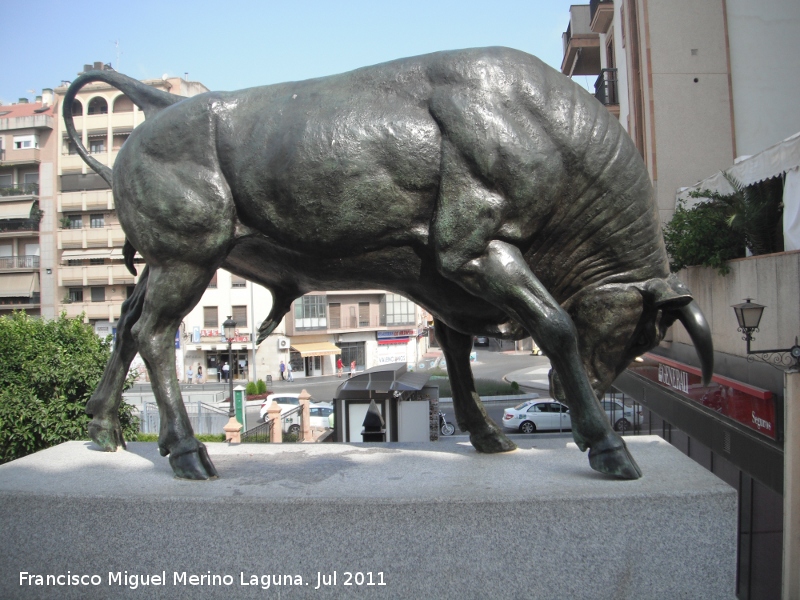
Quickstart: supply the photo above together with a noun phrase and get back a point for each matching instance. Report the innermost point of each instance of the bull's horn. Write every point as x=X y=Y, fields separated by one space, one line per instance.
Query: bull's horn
x=695 y=323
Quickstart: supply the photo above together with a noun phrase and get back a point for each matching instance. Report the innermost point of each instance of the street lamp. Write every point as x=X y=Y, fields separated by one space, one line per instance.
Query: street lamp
x=229 y=327
x=748 y=314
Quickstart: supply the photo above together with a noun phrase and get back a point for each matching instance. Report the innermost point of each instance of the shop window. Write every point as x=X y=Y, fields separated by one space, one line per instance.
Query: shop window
x=210 y=317
x=240 y=316
x=76 y=294
x=98 y=294
x=353 y=351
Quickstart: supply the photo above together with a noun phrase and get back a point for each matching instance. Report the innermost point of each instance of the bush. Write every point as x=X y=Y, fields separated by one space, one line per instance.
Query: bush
x=49 y=371
x=251 y=389
x=261 y=387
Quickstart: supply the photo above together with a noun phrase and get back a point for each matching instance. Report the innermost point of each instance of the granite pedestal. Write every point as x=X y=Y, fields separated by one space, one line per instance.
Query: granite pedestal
x=421 y=520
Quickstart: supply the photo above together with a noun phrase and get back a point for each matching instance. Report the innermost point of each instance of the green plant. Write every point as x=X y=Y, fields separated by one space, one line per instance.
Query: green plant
x=49 y=371
x=701 y=236
x=261 y=387
x=251 y=389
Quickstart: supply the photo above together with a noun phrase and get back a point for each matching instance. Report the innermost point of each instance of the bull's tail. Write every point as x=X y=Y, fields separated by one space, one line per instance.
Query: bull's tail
x=148 y=98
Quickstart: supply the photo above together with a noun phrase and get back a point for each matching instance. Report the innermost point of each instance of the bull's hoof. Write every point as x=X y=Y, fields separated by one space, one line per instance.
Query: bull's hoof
x=107 y=433
x=614 y=460
x=490 y=440
x=193 y=464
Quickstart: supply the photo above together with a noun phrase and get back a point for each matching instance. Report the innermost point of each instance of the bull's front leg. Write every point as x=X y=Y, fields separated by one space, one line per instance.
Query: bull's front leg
x=484 y=434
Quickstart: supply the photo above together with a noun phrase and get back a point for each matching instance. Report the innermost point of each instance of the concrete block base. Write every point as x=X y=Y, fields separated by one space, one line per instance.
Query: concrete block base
x=428 y=520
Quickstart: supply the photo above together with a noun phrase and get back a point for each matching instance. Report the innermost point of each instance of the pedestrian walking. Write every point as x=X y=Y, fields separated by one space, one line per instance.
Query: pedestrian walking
x=283 y=371
x=199 y=374
x=289 y=372
x=352 y=368
x=189 y=374
x=226 y=371
x=339 y=367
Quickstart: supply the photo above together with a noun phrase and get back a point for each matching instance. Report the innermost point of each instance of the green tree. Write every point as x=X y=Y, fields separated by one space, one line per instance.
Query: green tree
x=48 y=371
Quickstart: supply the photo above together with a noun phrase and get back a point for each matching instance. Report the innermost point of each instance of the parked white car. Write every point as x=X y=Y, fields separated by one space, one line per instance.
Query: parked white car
x=285 y=400
x=622 y=417
x=538 y=414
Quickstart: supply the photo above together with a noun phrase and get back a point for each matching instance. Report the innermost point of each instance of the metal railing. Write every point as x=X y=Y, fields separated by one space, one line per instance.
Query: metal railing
x=19 y=262
x=291 y=420
x=605 y=87
x=205 y=419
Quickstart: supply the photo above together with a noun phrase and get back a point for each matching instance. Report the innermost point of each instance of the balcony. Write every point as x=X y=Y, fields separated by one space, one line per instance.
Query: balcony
x=88 y=275
x=100 y=237
x=605 y=90
x=581 y=44
x=25 y=190
x=26 y=156
x=29 y=122
x=87 y=200
x=19 y=263
x=102 y=311
x=601 y=14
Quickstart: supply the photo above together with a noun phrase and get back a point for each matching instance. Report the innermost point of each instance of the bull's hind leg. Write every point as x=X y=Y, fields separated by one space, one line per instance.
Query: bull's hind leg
x=172 y=291
x=484 y=433
x=104 y=428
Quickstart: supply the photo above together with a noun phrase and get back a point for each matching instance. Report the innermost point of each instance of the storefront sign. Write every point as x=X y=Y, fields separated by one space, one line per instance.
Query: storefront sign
x=396 y=333
x=750 y=406
x=219 y=336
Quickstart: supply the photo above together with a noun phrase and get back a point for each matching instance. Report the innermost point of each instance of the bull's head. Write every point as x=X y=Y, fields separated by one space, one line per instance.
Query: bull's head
x=618 y=322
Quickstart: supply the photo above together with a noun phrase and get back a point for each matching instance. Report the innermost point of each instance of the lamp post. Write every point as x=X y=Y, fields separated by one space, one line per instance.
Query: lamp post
x=748 y=314
x=232 y=428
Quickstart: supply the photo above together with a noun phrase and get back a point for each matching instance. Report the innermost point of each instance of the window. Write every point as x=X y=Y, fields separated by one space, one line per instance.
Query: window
x=396 y=310
x=96 y=261
x=123 y=104
x=76 y=294
x=335 y=312
x=6 y=182
x=98 y=106
x=119 y=140
x=363 y=314
x=309 y=313
x=75 y=221
x=213 y=283
x=22 y=142
x=238 y=282
x=77 y=108
x=98 y=294
x=239 y=315
x=97 y=145
x=210 y=317
x=69 y=147
x=96 y=221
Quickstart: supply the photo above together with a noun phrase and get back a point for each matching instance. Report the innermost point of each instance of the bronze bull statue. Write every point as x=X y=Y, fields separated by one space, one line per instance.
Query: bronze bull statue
x=481 y=184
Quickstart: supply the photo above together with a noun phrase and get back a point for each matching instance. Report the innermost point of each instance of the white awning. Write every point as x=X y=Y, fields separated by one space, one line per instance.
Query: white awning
x=316 y=349
x=16 y=210
x=85 y=254
x=18 y=285
x=773 y=161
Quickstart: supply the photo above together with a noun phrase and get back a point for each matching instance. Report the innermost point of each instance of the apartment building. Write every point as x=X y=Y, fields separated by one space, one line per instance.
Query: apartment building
x=27 y=160
x=700 y=86
x=91 y=277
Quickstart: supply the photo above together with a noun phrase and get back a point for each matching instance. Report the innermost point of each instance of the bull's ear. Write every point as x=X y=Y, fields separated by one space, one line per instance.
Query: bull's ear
x=667 y=292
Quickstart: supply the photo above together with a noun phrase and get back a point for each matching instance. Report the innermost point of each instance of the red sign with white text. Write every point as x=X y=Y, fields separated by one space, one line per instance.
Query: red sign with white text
x=748 y=405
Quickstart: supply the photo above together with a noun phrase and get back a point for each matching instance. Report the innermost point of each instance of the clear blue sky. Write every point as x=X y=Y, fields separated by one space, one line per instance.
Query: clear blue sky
x=232 y=44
